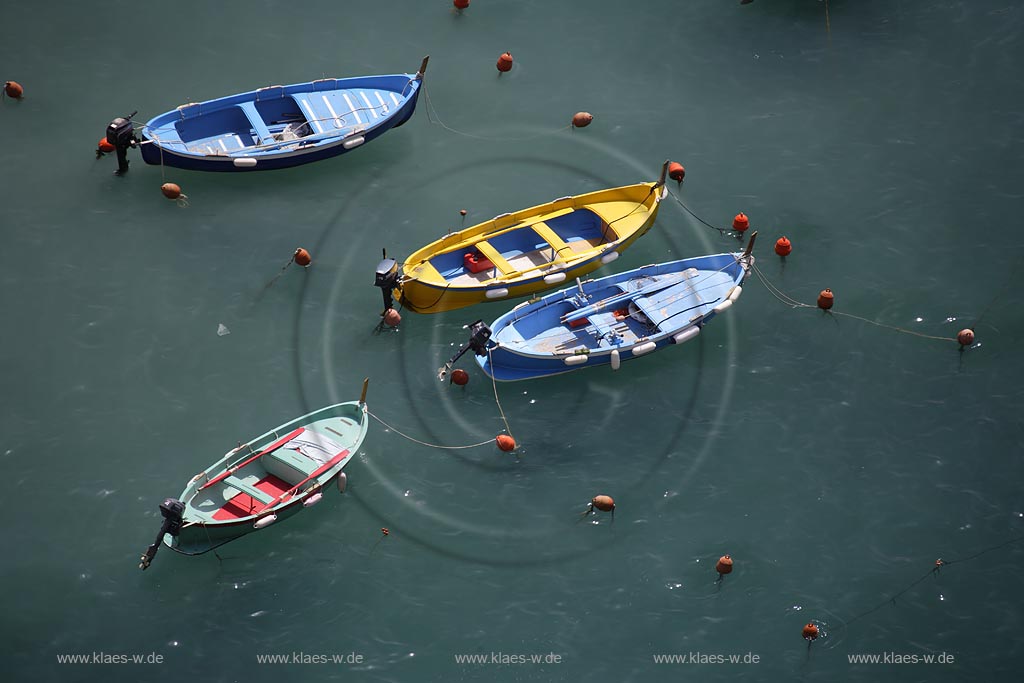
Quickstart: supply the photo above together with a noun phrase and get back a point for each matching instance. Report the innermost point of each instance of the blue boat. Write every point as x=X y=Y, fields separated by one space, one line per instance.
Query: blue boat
x=611 y=319
x=274 y=127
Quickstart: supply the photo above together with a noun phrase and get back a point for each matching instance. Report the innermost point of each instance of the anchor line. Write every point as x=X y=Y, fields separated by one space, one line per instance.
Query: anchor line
x=424 y=443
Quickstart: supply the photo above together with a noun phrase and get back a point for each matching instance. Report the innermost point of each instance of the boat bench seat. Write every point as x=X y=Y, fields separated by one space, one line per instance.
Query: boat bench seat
x=549 y=236
x=257 y=122
x=237 y=483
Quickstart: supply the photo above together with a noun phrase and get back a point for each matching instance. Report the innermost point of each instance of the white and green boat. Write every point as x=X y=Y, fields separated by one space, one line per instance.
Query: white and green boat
x=264 y=481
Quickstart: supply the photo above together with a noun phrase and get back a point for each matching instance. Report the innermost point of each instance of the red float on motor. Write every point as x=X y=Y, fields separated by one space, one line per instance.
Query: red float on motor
x=460 y=377
x=392 y=318
x=104 y=146
x=505 y=62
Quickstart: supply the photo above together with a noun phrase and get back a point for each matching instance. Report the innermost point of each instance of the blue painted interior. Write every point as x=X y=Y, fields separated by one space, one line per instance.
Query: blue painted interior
x=582 y=224
x=517 y=242
x=230 y=120
x=279 y=111
x=449 y=265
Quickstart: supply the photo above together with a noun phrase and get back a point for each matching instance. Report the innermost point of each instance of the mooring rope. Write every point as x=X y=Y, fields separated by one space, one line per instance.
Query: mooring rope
x=435 y=118
x=431 y=445
x=494 y=383
x=721 y=231
x=793 y=303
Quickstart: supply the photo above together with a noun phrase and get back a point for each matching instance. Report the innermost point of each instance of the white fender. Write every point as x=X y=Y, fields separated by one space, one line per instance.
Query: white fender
x=342 y=482
x=312 y=500
x=245 y=162
x=735 y=293
x=609 y=257
x=497 y=293
x=353 y=142
x=686 y=335
x=264 y=522
x=616 y=362
x=576 y=359
x=646 y=347
x=722 y=306
x=554 y=278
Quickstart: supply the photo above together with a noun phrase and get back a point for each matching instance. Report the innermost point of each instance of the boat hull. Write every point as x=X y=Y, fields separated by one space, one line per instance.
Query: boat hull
x=535 y=339
x=568 y=238
x=248 y=131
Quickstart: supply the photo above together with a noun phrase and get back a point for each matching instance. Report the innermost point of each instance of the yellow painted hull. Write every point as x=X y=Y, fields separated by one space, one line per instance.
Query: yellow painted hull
x=434 y=280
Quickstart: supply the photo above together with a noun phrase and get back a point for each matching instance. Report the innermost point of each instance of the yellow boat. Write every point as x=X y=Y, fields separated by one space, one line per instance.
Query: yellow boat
x=518 y=254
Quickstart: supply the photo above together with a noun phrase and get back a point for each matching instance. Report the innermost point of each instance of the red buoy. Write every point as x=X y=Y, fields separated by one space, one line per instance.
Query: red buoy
x=461 y=4
x=724 y=565
x=104 y=146
x=676 y=171
x=783 y=247
x=582 y=119
x=460 y=377
x=392 y=318
x=384 y=531
x=14 y=89
x=810 y=632
x=170 y=190
x=505 y=62
x=825 y=299
x=965 y=336
x=505 y=442
x=302 y=257
x=603 y=503
x=740 y=222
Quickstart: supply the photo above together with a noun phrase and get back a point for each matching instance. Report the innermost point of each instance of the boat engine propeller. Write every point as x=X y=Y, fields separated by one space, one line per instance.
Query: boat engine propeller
x=387 y=279
x=479 y=335
x=121 y=134
x=172 y=510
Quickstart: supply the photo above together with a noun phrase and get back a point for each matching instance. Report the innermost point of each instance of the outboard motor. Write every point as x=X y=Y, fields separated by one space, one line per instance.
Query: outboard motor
x=386 y=278
x=121 y=134
x=172 y=510
x=479 y=335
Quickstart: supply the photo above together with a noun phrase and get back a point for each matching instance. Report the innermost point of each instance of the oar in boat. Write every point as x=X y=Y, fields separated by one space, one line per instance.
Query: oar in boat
x=658 y=285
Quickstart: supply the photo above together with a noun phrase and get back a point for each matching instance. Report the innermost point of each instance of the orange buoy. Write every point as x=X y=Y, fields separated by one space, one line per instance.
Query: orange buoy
x=170 y=190
x=965 y=336
x=384 y=530
x=14 y=89
x=505 y=442
x=603 y=503
x=810 y=632
x=505 y=62
x=460 y=377
x=676 y=171
x=392 y=318
x=461 y=4
x=825 y=299
x=104 y=146
x=740 y=222
x=302 y=257
x=783 y=247
x=582 y=119
x=724 y=565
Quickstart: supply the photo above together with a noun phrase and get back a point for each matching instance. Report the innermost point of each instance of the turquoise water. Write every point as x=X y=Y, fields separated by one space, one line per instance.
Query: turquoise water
x=834 y=460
